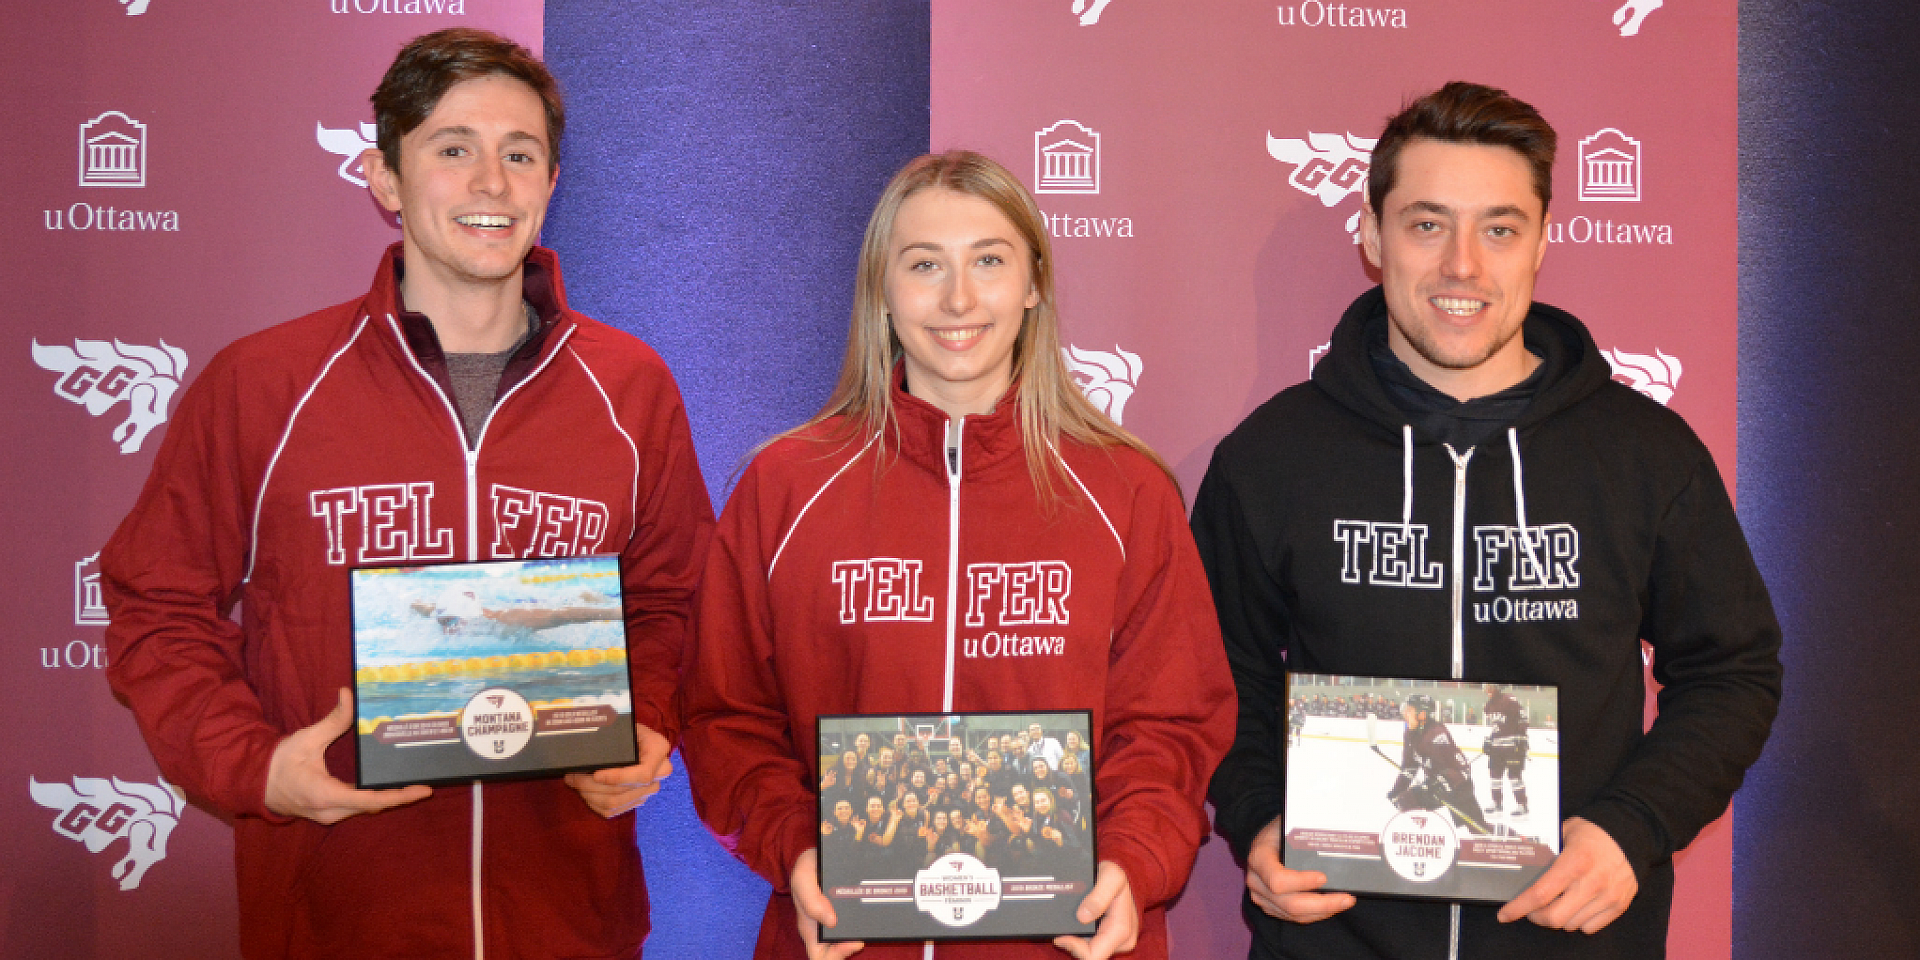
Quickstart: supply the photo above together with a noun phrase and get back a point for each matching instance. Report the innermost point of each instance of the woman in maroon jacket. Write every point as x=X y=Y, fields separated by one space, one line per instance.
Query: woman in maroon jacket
x=959 y=530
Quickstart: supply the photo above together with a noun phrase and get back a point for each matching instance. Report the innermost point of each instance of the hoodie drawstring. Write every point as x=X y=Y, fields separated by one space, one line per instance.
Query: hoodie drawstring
x=1406 y=473
x=1520 y=504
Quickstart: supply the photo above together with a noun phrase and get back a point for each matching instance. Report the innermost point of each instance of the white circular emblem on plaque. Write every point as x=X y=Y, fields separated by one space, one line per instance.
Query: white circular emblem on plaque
x=497 y=723
x=1420 y=844
x=956 y=890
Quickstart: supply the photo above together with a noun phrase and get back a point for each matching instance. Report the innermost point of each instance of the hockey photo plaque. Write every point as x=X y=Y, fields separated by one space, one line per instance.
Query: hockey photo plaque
x=1424 y=789
x=486 y=671
x=956 y=826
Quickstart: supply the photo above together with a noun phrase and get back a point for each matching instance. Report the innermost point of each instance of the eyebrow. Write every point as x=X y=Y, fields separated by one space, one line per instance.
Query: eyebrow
x=976 y=245
x=444 y=133
x=1491 y=213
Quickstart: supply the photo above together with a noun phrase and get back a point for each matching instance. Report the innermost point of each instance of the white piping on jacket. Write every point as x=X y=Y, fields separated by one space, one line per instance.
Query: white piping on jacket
x=1062 y=461
x=253 y=535
x=802 y=515
x=633 y=506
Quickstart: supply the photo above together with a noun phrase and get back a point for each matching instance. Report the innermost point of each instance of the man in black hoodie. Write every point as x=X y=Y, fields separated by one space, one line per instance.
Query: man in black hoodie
x=1462 y=491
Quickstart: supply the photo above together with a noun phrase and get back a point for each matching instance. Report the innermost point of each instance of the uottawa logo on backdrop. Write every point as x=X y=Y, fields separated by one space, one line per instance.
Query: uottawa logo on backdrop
x=97 y=812
x=1319 y=13
x=1610 y=170
x=1657 y=376
x=1066 y=158
x=348 y=143
x=1329 y=166
x=456 y=8
x=98 y=375
x=113 y=153
x=1108 y=379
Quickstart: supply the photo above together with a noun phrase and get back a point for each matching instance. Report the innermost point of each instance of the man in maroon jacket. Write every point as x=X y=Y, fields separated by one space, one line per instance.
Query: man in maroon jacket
x=459 y=411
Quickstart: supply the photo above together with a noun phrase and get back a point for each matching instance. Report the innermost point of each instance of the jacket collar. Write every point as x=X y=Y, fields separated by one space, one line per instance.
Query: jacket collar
x=986 y=439
x=540 y=286
x=1575 y=365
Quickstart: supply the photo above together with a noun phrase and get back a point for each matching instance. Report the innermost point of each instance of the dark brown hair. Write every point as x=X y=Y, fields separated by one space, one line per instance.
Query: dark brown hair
x=429 y=65
x=1469 y=113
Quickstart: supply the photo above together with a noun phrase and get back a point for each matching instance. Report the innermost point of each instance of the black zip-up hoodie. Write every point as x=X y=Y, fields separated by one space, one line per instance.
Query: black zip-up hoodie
x=1339 y=537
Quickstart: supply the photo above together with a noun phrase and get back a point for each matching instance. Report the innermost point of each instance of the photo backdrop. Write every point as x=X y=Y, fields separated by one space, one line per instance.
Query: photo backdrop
x=183 y=175
x=1201 y=170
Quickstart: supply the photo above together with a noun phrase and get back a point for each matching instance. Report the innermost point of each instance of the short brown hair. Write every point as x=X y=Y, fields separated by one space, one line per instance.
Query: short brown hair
x=430 y=65
x=1470 y=113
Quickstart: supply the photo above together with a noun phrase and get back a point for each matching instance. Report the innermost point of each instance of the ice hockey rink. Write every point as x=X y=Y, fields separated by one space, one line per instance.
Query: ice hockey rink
x=1336 y=781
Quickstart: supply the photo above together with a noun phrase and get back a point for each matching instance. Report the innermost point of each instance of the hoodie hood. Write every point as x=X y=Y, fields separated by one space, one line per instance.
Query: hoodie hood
x=1575 y=368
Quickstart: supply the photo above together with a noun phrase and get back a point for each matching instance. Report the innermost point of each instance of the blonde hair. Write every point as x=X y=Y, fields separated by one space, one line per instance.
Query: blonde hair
x=1050 y=404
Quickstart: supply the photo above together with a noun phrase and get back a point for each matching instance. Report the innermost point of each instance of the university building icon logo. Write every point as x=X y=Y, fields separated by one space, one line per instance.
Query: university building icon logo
x=1066 y=159
x=113 y=151
x=1610 y=167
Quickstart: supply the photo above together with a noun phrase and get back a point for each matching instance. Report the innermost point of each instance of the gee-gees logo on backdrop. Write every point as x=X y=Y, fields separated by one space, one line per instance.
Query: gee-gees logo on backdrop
x=98 y=375
x=1632 y=13
x=1329 y=166
x=97 y=812
x=348 y=143
x=1108 y=379
x=135 y=7
x=1657 y=376
x=1089 y=10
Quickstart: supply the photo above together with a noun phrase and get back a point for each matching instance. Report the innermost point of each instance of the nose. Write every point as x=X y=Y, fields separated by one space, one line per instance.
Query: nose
x=489 y=175
x=1462 y=260
x=960 y=294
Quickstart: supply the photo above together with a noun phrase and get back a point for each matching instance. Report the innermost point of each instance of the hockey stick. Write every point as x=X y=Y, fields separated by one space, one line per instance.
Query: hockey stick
x=1473 y=826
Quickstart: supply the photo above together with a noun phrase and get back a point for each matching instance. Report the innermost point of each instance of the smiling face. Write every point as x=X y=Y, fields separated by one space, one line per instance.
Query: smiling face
x=958 y=285
x=1043 y=803
x=472 y=188
x=1458 y=242
x=862 y=744
x=843 y=811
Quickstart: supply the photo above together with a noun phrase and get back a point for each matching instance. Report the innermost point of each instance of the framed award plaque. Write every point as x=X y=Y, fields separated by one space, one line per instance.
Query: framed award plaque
x=956 y=826
x=475 y=671
x=1424 y=789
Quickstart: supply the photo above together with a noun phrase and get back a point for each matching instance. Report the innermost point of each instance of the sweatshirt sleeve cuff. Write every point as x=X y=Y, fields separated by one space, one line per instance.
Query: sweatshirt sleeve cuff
x=1145 y=876
x=1638 y=839
x=1244 y=821
x=800 y=833
x=246 y=790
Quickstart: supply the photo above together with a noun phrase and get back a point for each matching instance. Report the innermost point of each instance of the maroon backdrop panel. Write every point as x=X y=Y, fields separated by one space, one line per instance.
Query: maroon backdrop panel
x=1200 y=166
x=178 y=176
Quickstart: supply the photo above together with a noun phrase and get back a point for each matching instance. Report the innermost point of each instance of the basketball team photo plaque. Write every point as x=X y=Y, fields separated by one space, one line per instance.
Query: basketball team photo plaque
x=956 y=826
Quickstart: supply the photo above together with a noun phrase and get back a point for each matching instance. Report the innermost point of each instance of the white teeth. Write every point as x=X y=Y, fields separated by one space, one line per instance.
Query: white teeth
x=957 y=336
x=1457 y=306
x=485 y=220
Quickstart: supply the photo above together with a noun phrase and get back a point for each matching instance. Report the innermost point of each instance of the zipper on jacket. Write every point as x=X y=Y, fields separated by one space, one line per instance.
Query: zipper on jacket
x=1459 y=558
x=1459 y=625
x=953 y=557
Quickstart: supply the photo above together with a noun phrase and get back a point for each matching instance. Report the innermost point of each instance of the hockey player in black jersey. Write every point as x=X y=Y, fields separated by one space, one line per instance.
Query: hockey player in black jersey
x=1506 y=748
x=1433 y=771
